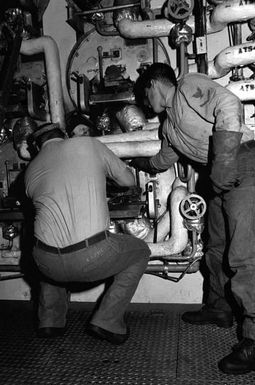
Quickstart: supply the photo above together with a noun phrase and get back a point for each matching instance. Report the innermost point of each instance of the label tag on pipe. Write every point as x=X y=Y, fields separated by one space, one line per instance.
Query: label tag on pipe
x=201 y=47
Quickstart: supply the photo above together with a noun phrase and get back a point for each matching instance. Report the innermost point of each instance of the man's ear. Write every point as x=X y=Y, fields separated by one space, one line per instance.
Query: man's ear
x=153 y=83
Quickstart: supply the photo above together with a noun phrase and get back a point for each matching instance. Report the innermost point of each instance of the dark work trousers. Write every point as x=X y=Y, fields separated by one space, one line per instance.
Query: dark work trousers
x=231 y=228
x=122 y=257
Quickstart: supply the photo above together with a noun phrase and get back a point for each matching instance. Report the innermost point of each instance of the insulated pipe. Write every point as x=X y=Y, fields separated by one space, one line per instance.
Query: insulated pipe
x=162 y=229
x=132 y=136
x=244 y=89
x=179 y=234
x=135 y=149
x=130 y=29
x=231 y=11
x=151 y=126
x=48 y=46
x=163 y=225
x=239 y=55
x=228 y=12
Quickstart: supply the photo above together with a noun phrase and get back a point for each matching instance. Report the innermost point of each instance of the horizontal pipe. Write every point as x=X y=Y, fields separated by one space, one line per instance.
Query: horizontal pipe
x=228 y=58
x=221 y=16
x=135 y=149
x=46 y=45
x=151 y=126
x=238 y=55
x=130 y=29
x=231 y=11
x=172 y=268
x=244 y=89
x=132 y=136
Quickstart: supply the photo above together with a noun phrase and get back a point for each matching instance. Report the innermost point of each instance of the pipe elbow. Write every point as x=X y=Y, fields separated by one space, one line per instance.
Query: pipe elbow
x=238 y=55
x=179 y=234
x=48 y=46
x=40 y=44
x=229 y=12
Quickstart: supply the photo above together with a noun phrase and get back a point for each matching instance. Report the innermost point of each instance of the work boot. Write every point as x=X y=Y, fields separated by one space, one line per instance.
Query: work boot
x=103 y=334
x=207 y=315
x=241 y=360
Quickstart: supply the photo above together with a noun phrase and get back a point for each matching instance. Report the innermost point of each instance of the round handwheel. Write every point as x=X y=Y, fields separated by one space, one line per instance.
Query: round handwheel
x=180 y=9
x=193 y=207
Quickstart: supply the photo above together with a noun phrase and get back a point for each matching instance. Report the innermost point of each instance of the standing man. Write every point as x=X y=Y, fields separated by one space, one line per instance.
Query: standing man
x=67 y=184
x=204 y=123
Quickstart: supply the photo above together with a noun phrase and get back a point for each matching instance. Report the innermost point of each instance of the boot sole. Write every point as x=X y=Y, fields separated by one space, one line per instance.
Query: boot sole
x=237 y=372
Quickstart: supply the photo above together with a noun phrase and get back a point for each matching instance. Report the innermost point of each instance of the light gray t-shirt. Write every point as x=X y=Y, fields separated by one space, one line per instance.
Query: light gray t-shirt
x=67 y=183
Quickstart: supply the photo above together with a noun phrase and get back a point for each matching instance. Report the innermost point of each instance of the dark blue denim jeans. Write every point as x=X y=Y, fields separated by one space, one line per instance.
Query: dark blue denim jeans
x=231 y=227
x=122 y=257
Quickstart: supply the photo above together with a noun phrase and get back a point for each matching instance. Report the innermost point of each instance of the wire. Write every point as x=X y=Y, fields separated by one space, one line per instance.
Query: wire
x=162 y=45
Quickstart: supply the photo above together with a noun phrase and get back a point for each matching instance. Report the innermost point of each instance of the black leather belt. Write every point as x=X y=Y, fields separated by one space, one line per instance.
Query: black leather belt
x=77 y=246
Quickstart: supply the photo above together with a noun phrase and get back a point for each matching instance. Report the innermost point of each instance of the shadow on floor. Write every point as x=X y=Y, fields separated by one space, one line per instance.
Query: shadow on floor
x=162 y=350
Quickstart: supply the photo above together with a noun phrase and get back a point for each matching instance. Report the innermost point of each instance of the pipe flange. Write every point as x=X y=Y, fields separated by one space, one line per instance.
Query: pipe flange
x=193 y=207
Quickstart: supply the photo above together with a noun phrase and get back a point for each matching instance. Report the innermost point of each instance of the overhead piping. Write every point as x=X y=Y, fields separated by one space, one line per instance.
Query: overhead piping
x=221 y=16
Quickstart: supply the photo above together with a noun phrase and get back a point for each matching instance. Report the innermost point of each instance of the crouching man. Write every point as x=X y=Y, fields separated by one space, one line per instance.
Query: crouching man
x=67 y=184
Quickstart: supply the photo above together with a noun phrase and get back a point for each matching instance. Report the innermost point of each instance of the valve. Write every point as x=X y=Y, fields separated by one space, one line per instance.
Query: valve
x=10 y=232
x=180 y=9
x=180 y=33
x=193 y=207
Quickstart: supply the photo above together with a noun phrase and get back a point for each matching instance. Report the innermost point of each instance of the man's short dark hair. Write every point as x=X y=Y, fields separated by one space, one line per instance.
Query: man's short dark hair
x=156 y=71
x=161 y=72
x=46 y=132
x=73 y=119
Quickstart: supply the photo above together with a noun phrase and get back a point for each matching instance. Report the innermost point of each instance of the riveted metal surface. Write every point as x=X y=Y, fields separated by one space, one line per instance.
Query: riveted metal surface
x=161 y=350
x=200 y=349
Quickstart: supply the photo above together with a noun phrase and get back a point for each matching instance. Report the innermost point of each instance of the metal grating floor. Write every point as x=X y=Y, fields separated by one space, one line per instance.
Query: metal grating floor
x=162 y=350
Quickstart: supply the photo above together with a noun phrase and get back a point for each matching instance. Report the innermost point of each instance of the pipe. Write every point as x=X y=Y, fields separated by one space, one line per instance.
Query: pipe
x=130 y=29
x=239 y=55
x=48 y=46
x=135 y=149
x=183 y=60
x=231 y=11
x=221 y=16
x=179 y=234
x=132 y=136
x=108 y=9
x=200 y=35
x=244 y=89
x=162 y=228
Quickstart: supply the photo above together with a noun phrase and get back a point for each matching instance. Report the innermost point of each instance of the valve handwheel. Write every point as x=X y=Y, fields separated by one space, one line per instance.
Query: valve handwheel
x=180 y=9
x=193 y=207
